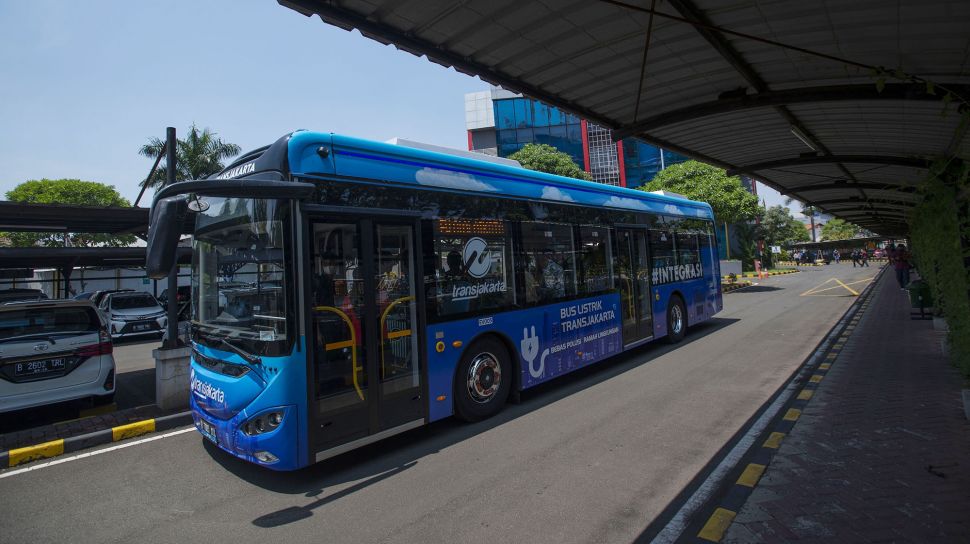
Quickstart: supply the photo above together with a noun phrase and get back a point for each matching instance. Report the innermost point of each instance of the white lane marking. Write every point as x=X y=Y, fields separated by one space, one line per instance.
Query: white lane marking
x=93 y=453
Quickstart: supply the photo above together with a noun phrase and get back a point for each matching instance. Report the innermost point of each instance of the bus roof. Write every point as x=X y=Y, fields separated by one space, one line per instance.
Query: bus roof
x=366 y=159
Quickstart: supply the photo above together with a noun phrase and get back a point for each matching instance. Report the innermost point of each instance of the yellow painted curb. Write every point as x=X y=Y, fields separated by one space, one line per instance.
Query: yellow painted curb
x=138 y=428
x=38 y=451
x=792 y=414
x=718 y=523
x=815 y=378
x=774 y=440
x=751 y=475
x=806 y=394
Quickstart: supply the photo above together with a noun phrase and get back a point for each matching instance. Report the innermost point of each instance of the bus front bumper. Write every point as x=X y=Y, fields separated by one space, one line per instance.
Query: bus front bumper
x=276 y=449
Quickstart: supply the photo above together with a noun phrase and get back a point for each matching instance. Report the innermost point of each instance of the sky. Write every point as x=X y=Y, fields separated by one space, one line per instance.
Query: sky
x=83 y=85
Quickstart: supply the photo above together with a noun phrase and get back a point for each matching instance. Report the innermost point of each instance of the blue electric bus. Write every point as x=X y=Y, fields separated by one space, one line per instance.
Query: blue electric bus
x=345 y=290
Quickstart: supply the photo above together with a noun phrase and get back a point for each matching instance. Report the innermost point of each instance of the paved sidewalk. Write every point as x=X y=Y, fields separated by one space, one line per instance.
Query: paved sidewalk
x=882 y=451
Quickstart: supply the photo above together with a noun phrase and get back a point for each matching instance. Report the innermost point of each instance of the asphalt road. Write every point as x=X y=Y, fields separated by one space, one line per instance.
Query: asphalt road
x=593 y=457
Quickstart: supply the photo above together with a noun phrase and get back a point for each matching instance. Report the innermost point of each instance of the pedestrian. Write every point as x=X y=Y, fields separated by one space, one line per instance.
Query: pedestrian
x=855 y=258
x=902 y=265
x=837 y=256
x=864 y=257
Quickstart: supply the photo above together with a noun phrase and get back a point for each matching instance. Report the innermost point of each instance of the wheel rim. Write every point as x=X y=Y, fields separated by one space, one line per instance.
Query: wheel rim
x=676 y=319
x=484 y=377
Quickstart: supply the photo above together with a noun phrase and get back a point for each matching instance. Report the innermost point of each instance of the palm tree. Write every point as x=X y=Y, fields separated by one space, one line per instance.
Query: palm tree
x=199 y=155
x=807 y=211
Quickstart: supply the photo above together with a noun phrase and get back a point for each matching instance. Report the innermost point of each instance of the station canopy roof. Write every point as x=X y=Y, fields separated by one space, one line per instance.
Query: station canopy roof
x=26 y=217
x=787 y=92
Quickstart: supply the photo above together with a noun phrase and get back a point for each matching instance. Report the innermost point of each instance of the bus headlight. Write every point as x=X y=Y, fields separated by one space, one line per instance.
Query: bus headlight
x=263 y=423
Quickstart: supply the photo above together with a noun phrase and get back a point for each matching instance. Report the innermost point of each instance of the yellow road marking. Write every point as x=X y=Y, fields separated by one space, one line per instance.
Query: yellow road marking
x=831 y=356
x=774 y=440
x=851 y=290
x=32 y=453
x=751 y=475
x=137 y=428
x=806 y=394
x=815 y=378
x=792 y=414
x=819 y=288
x=825 y=366
x=717 y=524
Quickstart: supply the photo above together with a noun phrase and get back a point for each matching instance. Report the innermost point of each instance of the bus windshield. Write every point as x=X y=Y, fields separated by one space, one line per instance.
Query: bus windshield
x=238 y=271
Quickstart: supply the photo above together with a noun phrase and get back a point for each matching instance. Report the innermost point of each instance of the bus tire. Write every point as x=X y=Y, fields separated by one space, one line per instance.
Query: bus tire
x=483 y=380
x=676 y=320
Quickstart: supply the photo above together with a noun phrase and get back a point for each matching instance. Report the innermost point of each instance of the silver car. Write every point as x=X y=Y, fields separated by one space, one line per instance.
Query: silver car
x=132 y=313
x=54 y=351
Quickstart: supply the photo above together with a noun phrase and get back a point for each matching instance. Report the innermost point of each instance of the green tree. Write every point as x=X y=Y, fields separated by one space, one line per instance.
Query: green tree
x=838 y=229
x=545 y=158
x=199 y=155
x=68 y=191
x=779 y=228
x=731 y=202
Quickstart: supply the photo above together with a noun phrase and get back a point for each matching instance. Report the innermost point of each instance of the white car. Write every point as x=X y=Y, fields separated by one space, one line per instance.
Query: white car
x=132 y=313
x=54 y=351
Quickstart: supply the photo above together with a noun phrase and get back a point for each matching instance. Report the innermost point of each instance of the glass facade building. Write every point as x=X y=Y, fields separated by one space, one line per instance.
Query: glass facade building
x=501 y=123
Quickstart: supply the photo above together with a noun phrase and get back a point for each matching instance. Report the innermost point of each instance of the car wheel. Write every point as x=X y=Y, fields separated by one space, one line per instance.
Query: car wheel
x=483 y=380
x=676 y=320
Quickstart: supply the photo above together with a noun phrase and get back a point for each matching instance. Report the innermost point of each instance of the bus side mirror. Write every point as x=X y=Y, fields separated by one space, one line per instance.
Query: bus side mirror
x=165 y=229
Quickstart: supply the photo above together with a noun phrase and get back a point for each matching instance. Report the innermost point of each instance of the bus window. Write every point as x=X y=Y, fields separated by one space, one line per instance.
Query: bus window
x=662 y=248
x=471 y=266
x=549 y=261
x=687 y=250
x=596 y=259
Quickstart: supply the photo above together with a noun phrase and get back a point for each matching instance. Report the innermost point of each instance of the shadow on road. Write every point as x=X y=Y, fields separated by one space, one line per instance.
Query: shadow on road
x=757 y=289
x=376 y=462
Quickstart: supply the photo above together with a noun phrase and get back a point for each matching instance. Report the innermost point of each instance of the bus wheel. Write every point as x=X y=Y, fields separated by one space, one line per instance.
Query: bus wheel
x=483 y=380
x=676 y=320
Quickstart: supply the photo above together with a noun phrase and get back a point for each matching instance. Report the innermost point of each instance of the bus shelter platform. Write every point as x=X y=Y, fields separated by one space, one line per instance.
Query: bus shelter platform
x=881 y=452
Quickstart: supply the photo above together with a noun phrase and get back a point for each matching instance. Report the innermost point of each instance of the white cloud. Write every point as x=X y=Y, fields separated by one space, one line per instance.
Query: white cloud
x=448 y=179
x=670 y=208
x=618 y=202
x=553 y=193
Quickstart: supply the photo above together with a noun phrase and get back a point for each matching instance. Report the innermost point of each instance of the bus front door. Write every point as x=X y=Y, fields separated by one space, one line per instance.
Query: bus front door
x=633 y=271
x=366 y=377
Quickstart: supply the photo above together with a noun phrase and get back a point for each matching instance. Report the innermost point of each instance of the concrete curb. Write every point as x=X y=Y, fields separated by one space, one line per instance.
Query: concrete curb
x=53 y=448
x=755 y=275
x=728 y=287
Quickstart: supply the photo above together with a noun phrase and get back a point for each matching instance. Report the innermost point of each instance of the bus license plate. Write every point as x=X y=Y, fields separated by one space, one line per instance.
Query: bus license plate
x=39 y=368
x=208 y=430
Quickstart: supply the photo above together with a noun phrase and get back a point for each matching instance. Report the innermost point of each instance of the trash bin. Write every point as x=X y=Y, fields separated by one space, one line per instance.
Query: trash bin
x=919 y=294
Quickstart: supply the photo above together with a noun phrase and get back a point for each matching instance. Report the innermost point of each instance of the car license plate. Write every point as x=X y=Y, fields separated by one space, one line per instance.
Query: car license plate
x=141 y=327
x=208 y=430
x=39 y=368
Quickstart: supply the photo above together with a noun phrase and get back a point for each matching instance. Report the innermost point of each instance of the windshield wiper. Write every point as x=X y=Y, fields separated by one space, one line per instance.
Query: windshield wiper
x=42 y=335
x=249 y=357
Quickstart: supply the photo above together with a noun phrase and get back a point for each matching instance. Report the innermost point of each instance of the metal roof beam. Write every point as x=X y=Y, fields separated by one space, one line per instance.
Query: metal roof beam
x=887 y=160
x=854 y=200
x=839 y=186
x=828 y=93
x=731 y=55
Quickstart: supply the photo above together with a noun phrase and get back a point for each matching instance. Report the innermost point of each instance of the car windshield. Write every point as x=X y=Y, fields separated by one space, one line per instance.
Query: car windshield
x=130 y=302
x=238 y=270
x=30 y=321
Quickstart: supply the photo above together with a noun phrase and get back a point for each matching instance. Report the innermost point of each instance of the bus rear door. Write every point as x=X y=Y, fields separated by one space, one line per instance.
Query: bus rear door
x=633 y=271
